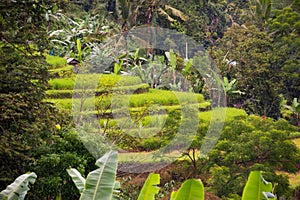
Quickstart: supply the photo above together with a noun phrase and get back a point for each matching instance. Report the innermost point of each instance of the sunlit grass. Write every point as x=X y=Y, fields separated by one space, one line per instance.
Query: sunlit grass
x=56 y=61
x=221 y=114
x=93 y=81
x=154 y=97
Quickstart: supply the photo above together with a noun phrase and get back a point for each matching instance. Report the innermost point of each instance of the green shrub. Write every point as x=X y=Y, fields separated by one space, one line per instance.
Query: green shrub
x=252 y=143
x=152 y=143
x=65 y=150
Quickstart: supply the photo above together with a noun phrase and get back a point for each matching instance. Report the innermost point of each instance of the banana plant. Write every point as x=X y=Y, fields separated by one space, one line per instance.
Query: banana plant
x=295 y=108
x=229 y=88
x=81 y=52
x=191 y=189
x=18 y=189
x=100 y=183
x=118 y=67
x=173 y=63
x=257 y=188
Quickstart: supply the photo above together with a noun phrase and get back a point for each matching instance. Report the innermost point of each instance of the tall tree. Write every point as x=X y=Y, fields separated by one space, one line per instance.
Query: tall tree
x=251 y=57
x=284 y=28
x=252 y=143
x=25 y=120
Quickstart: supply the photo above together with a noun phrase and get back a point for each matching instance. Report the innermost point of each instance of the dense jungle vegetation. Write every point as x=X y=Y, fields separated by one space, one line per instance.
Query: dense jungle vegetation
x=66 y=93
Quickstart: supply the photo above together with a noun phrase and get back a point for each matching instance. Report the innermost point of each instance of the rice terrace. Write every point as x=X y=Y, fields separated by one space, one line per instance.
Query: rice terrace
x=146 y=100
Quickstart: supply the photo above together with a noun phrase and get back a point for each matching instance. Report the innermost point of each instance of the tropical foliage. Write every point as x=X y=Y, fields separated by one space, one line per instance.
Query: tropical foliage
x=134 y=99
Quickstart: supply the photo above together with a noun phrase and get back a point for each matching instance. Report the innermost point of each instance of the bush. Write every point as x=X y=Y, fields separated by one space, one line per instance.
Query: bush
x=65 y=150
x=152 y=143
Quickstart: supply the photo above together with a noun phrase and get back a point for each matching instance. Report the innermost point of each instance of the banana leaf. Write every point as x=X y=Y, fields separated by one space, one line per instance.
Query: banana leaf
x=101 y=182
x=150 y=189
x=257 y=188
x=18 y=189
x=191 y=189
x=78 y=180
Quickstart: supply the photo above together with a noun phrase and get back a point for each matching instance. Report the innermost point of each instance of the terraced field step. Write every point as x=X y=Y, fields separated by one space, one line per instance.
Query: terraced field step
x=152 y=98
x=92 y=81
x=220 y=114
x=59 y=94
x=157 y=120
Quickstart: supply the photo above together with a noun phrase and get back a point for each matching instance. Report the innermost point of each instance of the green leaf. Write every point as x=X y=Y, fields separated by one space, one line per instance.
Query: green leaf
x=232 y=83
x=296 y=105
x=18 y=189
x=188 y=66
x=268 y=10
x=100 y=182
x=256 y=186
x=136 y=54
x=77 y=178
x=78 y=43
x=118 y=67
x=191 y=189
x=150 y=189
x=116 y=191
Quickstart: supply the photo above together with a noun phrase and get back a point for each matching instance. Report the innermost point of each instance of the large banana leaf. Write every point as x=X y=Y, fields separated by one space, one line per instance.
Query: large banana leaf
x=150 y=189
x=257 y=188
x=18 y=189
x=100 y=182
x=77 y=179
x=191 y=189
